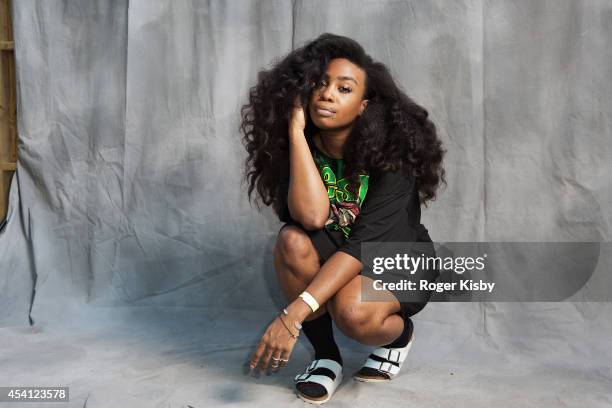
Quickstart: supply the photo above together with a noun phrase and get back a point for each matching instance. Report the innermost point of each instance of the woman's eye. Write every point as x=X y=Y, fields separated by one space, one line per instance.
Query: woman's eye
x=343 y=89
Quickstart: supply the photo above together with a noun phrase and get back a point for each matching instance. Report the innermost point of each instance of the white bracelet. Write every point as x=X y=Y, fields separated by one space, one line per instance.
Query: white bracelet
x=310 y=300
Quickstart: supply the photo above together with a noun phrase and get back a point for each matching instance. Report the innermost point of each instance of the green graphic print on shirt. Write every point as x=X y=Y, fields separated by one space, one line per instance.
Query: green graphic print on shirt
x=344 y=207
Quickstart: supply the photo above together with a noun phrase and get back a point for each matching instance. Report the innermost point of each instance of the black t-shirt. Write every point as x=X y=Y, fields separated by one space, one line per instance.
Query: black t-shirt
x=387 y=207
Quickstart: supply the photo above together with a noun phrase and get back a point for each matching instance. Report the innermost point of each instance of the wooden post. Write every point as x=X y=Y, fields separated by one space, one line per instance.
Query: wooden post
x=8 y=106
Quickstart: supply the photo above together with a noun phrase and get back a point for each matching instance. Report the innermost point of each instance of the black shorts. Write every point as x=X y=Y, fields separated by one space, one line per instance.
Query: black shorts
x=326 y=243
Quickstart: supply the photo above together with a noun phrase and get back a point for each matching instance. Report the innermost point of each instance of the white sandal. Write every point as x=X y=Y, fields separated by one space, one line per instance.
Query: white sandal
x=387 y=361
x=330 y=384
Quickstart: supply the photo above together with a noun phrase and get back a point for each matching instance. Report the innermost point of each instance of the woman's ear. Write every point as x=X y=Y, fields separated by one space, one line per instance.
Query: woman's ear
x=364 y=103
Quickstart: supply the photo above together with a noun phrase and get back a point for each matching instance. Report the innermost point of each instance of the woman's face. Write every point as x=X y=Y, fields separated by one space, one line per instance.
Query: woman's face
x=337 y=99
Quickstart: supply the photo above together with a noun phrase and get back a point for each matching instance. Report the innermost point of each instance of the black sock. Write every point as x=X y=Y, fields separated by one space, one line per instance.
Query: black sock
x=321 y=335
x=404 y=338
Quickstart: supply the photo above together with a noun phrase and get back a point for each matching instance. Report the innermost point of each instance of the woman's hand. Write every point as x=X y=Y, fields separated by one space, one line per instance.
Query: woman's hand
x=298 y=116
x=276 y=344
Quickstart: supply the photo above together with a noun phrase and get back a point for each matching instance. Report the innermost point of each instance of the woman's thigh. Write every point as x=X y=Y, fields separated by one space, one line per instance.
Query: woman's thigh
x=347 y=309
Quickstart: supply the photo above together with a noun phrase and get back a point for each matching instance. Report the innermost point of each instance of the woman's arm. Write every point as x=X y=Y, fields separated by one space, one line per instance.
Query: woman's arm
x=335 y=273
x=339 y=269
x=307 y=199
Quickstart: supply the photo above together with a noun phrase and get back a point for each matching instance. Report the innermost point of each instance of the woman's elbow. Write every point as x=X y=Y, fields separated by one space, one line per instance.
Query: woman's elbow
x=313 y=223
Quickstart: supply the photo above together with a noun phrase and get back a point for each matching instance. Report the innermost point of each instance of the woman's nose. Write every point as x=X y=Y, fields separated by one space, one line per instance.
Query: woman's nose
x=326 y=93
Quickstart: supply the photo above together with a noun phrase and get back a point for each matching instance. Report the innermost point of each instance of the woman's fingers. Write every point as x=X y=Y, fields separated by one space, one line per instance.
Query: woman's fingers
x=266 y=360
x=274 y=348
x=297 y=103
x=261 y=347
x=298 y=118
x=284 y=359
x=276 y=361
x=287 y=354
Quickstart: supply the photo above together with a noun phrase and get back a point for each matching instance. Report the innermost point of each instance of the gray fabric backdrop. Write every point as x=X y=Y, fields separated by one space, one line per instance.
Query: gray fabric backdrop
x=132 y=249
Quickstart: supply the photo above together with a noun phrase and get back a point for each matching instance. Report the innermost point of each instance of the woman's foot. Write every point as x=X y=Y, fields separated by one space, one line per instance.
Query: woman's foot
x=383 y=364
x=318 y=383
x=319 y=332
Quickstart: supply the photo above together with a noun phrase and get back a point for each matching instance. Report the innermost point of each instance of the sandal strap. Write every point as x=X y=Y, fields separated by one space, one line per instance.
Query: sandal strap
x=325 y=363
x=383 y=366
x=330 y=384
x=393 y=358
x=395 y=355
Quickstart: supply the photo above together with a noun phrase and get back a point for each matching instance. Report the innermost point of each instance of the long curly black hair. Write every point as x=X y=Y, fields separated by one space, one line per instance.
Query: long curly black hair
x=392 y=134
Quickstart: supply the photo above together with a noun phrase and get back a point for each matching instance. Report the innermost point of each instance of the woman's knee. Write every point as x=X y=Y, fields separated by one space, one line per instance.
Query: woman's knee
x=355 y=320
x=296 y=251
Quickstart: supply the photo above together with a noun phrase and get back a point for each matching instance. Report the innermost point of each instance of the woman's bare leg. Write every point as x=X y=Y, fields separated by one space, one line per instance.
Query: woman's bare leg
x=296 y=263
x=371 y=323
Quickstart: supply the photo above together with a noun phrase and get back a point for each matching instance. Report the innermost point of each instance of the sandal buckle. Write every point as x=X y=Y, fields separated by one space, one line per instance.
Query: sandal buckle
x=301 y=377
x=385 y=367
x=395 y=353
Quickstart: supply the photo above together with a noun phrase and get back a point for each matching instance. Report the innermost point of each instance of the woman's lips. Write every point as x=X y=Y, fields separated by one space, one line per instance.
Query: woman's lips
x=324 y=112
